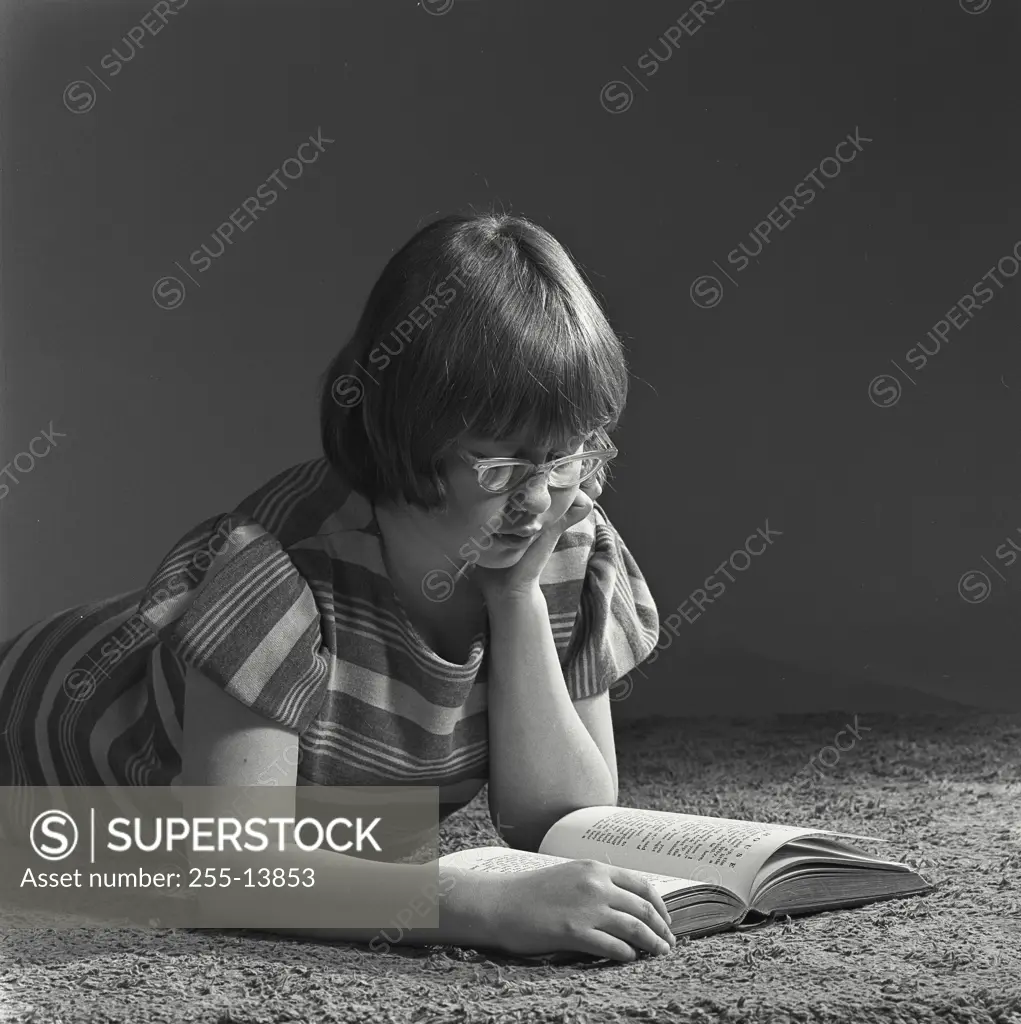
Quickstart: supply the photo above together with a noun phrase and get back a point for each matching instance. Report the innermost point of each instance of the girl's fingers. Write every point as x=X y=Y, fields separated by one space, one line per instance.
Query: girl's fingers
x=578 y=511
x=602 y=944
x=593 y=488
x=635 y=932
x=636 y=896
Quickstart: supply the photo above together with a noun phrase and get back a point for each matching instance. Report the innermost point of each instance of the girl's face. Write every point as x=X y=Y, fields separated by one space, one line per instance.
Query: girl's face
x=470 y=528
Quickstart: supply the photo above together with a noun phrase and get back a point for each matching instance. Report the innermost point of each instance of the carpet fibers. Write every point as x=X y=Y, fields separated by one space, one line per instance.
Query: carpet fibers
x=945 y=791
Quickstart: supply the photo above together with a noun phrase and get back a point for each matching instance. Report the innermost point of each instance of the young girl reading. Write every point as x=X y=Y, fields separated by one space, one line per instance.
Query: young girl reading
x=437 y=601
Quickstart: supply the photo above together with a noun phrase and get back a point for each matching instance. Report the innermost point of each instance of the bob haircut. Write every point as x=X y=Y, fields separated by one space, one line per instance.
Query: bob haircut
x=481 y=324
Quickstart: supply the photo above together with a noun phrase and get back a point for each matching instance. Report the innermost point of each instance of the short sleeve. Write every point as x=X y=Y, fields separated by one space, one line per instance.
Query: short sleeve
x=231 y=603
x=617 y=624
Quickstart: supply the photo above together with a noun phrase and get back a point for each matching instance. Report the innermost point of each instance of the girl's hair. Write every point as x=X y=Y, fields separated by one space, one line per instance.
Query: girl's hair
x=481 y=324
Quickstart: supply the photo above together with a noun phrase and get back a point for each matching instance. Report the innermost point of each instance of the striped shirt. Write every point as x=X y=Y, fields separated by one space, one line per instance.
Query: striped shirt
x=286 y=604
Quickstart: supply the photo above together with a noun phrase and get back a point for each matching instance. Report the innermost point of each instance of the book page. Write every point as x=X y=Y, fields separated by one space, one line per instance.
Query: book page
x=719 y=851
x=823 y=858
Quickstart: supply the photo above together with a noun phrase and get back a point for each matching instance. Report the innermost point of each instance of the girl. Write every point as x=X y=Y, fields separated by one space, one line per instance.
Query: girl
x=437 y=601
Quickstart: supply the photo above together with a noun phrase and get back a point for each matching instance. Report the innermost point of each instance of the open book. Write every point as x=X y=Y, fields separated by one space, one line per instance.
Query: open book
x=714 y=873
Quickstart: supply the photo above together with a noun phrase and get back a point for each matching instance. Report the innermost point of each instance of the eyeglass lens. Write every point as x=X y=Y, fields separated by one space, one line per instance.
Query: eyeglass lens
x=500 y=478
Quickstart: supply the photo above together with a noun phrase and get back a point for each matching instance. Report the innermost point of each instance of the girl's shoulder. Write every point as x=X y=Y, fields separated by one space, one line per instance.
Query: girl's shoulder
x=245 y=597
x=594 y=537
x=601 y=607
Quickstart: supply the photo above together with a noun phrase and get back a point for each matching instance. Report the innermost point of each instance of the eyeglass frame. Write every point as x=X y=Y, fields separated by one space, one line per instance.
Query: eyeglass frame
x=480 y=465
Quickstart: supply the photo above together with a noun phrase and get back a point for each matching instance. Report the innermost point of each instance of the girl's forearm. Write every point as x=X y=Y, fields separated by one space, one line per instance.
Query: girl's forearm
x=543 y=763
x=464 y=905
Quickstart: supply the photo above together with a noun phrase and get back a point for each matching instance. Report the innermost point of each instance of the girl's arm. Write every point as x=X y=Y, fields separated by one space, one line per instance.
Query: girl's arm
x=543 y=762
x=228 y=744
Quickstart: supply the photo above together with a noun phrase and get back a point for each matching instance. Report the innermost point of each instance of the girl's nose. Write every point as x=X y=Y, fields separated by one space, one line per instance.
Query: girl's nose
x=534 y=497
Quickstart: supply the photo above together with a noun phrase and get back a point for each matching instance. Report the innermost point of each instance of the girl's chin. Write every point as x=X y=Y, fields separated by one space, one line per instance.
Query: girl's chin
x=493 y=559
x=503 y=551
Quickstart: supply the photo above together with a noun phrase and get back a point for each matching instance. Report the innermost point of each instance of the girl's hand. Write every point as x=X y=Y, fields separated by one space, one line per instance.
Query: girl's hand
x=579 y=906
x=592 y=487
x=521 y=578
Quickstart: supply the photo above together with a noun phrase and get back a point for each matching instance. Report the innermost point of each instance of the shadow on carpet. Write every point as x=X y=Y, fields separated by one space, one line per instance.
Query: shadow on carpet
x=944 y=790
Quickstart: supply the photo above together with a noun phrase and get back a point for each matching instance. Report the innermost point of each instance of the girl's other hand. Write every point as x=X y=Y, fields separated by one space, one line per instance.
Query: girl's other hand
x=579 y=906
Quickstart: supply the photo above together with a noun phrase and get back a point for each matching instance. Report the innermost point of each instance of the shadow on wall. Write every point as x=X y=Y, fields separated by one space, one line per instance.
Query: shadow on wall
x=739 y=683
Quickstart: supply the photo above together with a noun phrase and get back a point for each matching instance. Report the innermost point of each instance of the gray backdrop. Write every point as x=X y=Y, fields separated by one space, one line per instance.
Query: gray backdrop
x=651 y=139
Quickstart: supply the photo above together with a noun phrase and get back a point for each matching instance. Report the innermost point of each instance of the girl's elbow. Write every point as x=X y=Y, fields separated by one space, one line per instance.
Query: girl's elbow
x=526 y=836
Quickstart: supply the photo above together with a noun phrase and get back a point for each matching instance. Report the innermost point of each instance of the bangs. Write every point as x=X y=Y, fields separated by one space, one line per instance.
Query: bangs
x=520 y=346
x=523 y=357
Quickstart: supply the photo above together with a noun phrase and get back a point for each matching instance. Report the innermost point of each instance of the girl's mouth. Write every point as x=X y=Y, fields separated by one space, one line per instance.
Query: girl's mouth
x=515 y=540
